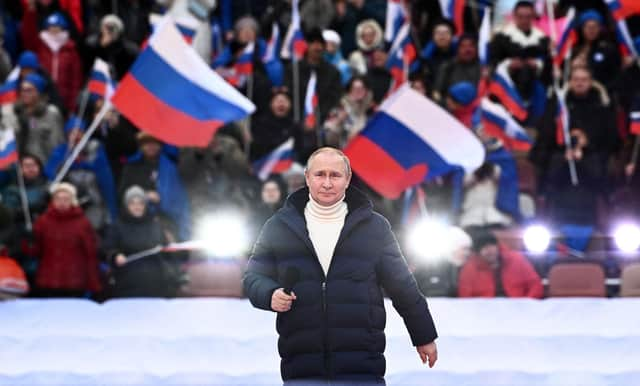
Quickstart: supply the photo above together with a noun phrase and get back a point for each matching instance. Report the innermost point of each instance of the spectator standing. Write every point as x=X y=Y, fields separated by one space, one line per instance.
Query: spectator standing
x=350 y=117
x=334 y=56
x=494 y=270
x=66 y=245
x=465 y=67
x=58 y=55
x=137 y=230
x=111 y=45
x=369 y=36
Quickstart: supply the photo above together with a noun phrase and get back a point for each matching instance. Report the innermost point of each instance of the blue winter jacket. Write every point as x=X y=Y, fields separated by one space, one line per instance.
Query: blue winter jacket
x=335 y=329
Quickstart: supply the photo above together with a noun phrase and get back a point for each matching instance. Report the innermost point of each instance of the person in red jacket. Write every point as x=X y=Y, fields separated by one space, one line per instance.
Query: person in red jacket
x=494 y=270
x=57 y=53
x=66 y=246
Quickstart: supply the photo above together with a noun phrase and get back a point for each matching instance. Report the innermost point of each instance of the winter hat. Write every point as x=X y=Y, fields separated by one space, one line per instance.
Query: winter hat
x=590 y=14
x=134 y=192
x=481 y=237
x=36 y=80
x=143 y=137
x=462 y=92
x=28 y=59
x=113 y=22
x=56 y=19
x=331 y=36
x=313 y=36
x=74 y=123
x=67 y=187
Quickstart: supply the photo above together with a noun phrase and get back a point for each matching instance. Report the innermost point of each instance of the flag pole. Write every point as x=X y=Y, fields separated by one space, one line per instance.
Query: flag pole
x=634 y=155
x=551 y=17
x=83 y=141
x=296 y=88
x=23 y=197
x=567 y=142
x=247 y=128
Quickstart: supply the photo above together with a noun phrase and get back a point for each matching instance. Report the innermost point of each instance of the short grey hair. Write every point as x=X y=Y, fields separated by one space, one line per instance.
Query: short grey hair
x=246 y=22
x=332 y=150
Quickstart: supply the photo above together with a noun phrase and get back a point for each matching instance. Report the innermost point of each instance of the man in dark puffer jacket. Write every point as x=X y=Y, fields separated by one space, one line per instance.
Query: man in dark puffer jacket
x=331 y=326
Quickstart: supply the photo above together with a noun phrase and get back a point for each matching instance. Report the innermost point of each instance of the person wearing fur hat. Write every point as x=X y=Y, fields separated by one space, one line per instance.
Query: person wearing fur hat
x=90 y=173
x=111 y=45
x=369 y=36
x=66 y=246
x=38 y=124
x=495 y=270
x=137 y=230
x=58 y=55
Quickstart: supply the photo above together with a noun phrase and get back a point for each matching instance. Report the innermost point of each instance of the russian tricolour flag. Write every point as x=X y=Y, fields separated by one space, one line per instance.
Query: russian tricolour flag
x=634 y=117
x=622 y=9
x=409 y=140
x=294 y=45
x=402 y=56
x=101 y=84
x=270 y=52
x=484 y=37
x=497 y=122
x=187 y=25
x=278 y=161
x=171 y=93
x=562 y=121
x=9 y=90
x=311 y=101
x=454 y=10
x=8 y=150
x=502 y=87
x=396 y=16
x=567 y=39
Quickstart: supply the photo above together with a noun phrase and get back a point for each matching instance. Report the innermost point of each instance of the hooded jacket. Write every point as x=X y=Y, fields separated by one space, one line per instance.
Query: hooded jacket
x=335 y=330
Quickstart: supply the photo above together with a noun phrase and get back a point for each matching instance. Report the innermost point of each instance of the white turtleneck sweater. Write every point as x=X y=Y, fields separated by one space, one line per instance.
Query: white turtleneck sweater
x=324 y=224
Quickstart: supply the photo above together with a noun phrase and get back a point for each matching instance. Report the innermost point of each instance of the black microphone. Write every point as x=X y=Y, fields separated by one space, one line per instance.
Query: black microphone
x=291 y=277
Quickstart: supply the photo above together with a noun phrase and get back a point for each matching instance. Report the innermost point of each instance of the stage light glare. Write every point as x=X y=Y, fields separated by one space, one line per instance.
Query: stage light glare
x=429 y=239
x=223 y=235
x=627 y=237
x=537 y=238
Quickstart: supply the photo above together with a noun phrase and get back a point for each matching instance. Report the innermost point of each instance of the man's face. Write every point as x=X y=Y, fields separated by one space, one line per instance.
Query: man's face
x=280 y=105
x=246 y=35
x=467 y=50
x=379 y=59
x=28 y=94
x=580 y=82
x=315 y=50
x=442 y=36
x=490 y=253
x=150 y=149
x=523 y=18
x=327 y=178
x=30 y=168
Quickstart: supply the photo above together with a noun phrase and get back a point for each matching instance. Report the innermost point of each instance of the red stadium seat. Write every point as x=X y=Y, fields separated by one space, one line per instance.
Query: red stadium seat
x=581 y=279
x=215 y=277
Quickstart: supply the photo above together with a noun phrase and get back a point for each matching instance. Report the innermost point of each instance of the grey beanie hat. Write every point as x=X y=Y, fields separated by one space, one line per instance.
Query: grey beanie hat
x=134 y=192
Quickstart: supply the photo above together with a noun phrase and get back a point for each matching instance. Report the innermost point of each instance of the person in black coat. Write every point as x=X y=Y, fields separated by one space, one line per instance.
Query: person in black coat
x=136 y=231
x=334 y=252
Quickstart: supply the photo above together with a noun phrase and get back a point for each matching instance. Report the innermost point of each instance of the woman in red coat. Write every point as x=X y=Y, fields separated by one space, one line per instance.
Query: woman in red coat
x=495 y=270
x=57 y=53
x=65 y=243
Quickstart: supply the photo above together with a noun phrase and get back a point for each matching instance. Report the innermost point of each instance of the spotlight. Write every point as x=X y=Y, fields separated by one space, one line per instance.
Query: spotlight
x=627 y=237
x=429 y=239
x=223 y=235
x=537 y=238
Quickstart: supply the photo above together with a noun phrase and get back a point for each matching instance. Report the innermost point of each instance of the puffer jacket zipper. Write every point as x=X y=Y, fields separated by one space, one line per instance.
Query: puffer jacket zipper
x=325 y=332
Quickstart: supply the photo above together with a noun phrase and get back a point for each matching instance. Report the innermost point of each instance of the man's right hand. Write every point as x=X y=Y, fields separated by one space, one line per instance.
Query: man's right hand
x=280 y=301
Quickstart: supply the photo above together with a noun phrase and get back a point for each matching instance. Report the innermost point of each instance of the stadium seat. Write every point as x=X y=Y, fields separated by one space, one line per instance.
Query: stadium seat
x=214 y=277
x=579 y=279
x=630 y=281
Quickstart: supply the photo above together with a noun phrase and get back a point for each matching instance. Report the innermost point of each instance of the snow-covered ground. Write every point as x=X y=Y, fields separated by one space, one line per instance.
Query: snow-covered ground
x=555 y=342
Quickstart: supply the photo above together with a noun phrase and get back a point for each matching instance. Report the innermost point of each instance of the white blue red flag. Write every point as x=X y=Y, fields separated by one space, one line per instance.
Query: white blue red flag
x=568 y=38
x=294 y=46
x=172 y=94
x=402 y=56
x=503 y=88
x=634 y=117
x=484 y=37
x=454 y=10
x=622 y=9
x=8 y=149
x=396 y=17
x=409 y=140
x=9 y=89
x=562 y=121
x=311 y=101
x=498 y=123
x=276 y=162
x=271 y=50
x=101 y=85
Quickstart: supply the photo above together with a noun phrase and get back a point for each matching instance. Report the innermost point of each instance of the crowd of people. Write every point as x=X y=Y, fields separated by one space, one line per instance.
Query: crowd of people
x=128 y=192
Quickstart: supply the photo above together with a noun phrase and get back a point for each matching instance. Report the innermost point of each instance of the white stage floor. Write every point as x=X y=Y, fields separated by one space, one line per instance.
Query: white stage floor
x=492 y=342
